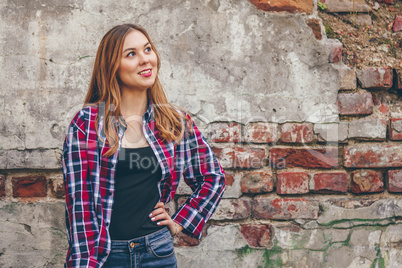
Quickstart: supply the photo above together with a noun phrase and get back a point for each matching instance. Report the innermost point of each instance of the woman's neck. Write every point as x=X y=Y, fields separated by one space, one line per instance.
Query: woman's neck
x=134 y=102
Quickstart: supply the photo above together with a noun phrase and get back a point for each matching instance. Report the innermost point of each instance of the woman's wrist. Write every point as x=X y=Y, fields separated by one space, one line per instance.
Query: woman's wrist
x=177 y=229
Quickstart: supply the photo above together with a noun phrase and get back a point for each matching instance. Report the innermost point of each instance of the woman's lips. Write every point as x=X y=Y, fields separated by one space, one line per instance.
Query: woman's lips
x=146 y=73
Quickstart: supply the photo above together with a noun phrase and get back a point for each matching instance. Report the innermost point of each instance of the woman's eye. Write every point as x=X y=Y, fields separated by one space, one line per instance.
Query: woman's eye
x=148 y=49
x=132 y=53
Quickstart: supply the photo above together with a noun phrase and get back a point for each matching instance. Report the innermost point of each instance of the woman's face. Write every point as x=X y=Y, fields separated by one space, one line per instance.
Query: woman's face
x=138 y=65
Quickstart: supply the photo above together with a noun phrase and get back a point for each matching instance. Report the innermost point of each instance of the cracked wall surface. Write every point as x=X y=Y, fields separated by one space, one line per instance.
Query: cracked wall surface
x=32 y=235
x=214 y=64
x=362 y=240
x=293 y=127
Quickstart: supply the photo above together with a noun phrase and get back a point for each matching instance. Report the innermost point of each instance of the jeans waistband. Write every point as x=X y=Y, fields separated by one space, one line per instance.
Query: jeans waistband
x=140 y=243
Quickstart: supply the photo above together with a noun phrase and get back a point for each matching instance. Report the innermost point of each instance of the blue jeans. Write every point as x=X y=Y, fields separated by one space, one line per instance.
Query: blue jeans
x=153 y=250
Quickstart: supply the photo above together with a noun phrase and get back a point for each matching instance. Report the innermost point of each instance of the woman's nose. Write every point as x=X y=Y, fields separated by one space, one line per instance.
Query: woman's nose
x=143 y=59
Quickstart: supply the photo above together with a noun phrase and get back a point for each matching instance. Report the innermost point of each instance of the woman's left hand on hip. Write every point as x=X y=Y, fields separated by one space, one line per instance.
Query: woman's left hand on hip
x=160 y=214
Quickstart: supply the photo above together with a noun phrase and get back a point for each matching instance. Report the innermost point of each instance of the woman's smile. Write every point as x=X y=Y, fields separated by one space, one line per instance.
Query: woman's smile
x=146 y=73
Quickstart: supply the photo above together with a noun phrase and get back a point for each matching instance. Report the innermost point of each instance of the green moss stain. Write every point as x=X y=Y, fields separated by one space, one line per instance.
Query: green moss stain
x=83 y=57
x=379 y=262
x=244 y=251
x=10 y=207
x=327 y=238
x=298 y=241
x=271 y=257
x=376 y=227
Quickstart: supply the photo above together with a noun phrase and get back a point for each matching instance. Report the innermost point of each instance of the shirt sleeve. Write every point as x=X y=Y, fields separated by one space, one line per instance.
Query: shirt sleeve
x=82 y=230
x=206 y=178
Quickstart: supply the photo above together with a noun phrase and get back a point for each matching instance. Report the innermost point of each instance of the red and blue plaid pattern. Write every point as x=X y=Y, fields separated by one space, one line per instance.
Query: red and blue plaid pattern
x=89 y=183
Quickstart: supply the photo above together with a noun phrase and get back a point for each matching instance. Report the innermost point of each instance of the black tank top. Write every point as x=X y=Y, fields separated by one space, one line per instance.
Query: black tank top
x=136 y=193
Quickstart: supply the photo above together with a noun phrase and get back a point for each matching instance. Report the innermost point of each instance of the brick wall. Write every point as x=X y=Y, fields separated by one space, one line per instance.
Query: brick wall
x=316 y=191
x=284 y=178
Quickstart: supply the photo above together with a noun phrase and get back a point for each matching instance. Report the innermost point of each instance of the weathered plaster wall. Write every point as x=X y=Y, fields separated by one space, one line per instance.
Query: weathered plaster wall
x=221 y=60
x=304 y=187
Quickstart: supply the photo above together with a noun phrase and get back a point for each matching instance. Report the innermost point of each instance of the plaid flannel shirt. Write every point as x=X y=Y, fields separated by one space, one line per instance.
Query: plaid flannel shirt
x=89 y=183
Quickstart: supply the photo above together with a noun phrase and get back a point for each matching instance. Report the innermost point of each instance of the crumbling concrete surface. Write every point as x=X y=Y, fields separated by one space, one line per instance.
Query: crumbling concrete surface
x=368 y=236
x=32 y=235
x=221 y=60
x=348 y=233
x=224 y=61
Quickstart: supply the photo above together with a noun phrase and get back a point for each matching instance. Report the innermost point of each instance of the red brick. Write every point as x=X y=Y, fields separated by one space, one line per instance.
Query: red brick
x=366 y=181
x=395 y=181
x=383 y=108
x=257 y=182
x=297 y=133
x=373 y=155
x=56 y=188
x=397 y=24
x=182 y=239
x=225 y=132
x=229 y=178
x=355 y=103
x=292 y=6
x=261 y=132
x=2 y=186
x=240 y=157
x=30 y=186
x=218 y=151
x=331 y=182
x=304 y=157
x=256 y=235
x=242 y=208
x=314 y=24
x=395 y=131
x=232 y=209
x=292 y=183
x=284 y=208
x=335 y=51
x=375 y=78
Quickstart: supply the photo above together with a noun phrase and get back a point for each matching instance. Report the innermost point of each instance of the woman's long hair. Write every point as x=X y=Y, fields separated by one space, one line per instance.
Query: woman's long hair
x=104 y=89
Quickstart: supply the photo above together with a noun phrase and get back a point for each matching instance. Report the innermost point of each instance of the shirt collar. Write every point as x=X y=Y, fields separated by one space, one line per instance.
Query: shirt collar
x=148 y=115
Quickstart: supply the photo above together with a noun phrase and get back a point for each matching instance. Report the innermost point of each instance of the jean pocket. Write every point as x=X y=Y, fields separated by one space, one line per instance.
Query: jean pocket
x=162 y=248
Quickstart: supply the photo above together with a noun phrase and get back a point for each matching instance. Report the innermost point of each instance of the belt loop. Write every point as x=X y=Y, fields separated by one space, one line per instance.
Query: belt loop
x=130 y=249
x=147 y=243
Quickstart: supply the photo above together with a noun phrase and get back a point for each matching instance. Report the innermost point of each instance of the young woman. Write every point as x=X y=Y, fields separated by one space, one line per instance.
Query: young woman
x=123 y=157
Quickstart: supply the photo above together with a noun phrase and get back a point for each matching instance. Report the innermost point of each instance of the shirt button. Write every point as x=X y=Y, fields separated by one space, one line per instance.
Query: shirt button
x=132 y=244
